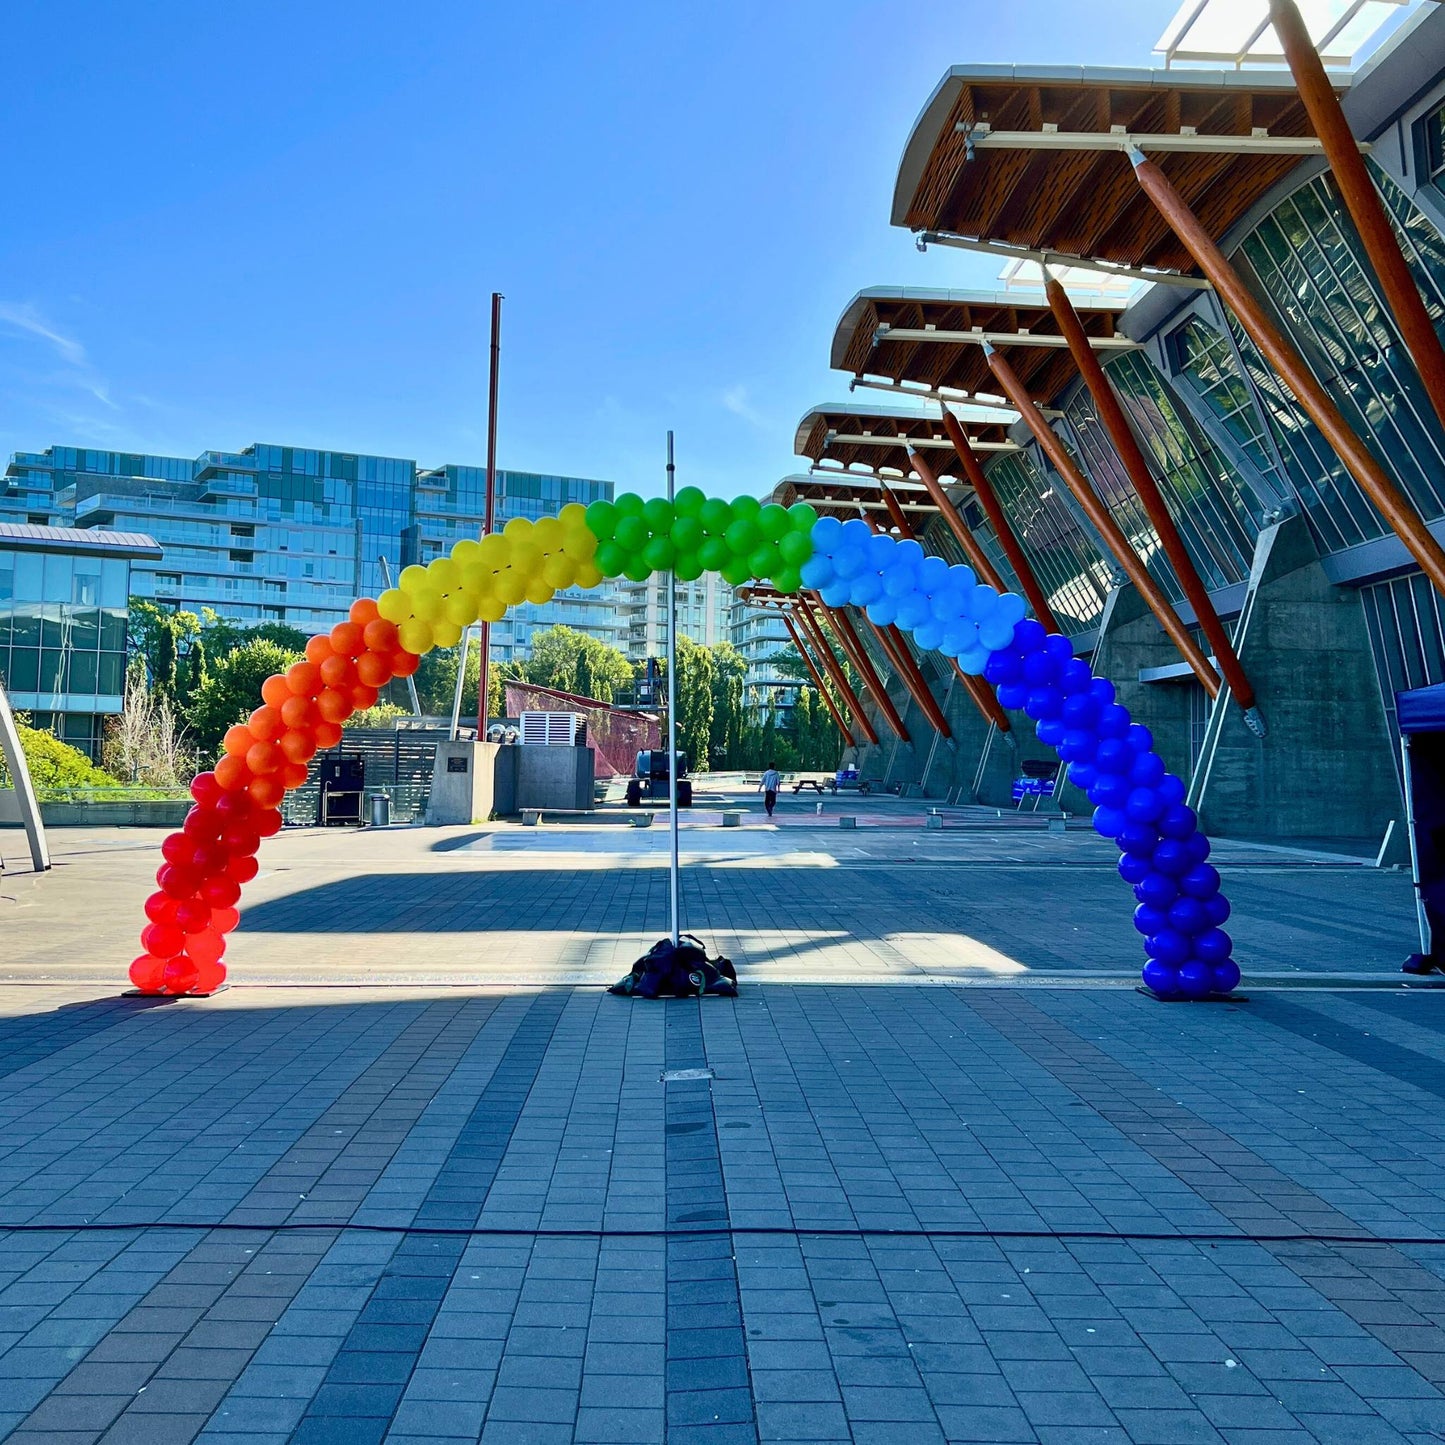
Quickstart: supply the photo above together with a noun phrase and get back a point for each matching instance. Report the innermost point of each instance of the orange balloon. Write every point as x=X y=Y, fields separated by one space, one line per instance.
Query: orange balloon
x=404 y=663
x=238 y=740
x=362 y=696
x=363 y=611
x=327 y=734
x=298 y=746
x=292 y=775
x=232 y=774
x=266 y=792
x=303 y=679
x=373 y=669
x=319 y=648
x=297 y=712
x=274 y=690
x=264 y=758
x=334 y=707
x=346 y=639
x=380 y=636
x=266 y=722
x=338 y=671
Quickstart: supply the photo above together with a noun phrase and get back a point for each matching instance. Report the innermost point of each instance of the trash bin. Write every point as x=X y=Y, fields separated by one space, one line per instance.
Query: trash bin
x=381 y=810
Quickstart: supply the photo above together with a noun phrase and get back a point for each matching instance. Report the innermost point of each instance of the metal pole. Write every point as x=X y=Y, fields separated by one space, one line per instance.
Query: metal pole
x=411 y=678
x=461 y=678
x=672 y=719
x=489 y=524
x=1427 y=941
x=14 y=756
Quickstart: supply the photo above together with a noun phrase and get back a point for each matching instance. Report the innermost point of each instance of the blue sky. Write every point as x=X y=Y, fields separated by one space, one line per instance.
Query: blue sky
x=282 y=222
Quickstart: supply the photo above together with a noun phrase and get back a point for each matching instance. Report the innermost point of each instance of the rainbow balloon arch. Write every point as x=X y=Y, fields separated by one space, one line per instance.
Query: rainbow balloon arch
x=1138 y=803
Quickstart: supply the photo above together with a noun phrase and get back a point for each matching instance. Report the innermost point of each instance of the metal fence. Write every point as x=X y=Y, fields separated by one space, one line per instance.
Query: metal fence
x=398 y=763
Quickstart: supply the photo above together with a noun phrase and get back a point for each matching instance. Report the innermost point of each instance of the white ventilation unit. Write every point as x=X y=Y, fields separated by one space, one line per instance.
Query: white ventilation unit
x=553 y=729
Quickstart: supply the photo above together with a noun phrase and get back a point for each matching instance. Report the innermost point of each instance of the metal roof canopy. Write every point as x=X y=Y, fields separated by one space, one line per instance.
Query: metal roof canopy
x=882 y=333
x=879 y=438
x=845 y=493
x=26 y=537
x=1238 y=32
x=1031 y=160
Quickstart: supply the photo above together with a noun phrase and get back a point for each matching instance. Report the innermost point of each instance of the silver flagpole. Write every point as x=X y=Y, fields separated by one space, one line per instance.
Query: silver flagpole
x=672 y=768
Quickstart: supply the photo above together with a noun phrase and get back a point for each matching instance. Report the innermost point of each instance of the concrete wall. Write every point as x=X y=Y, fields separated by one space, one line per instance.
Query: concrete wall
x=555 y=778
x=151 y=814
x=470 y=782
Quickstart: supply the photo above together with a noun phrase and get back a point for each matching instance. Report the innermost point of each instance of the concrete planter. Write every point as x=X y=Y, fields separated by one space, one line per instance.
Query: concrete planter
x=150 y=813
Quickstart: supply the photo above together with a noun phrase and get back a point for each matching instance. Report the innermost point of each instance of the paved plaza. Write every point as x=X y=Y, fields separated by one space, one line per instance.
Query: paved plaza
x=939 y=1173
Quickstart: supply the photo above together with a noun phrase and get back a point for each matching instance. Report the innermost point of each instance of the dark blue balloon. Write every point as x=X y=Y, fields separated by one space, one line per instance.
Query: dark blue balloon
x=1169 y=947
x=1076 y=746
x=1050 y=732
x=1201 y=881
x=1075 y=677
x=1029 y=636
x=1196 y=979
x=1172 y=857
x=1144 y=805
x=1188 y=915
x=1216 y=910
x=1083 y=775
x=1146 y=770
x=1214 y=945
x=1102 y=691
x=1157 y=890
x=1041 y=669
x=1113 y=721
x=1108 y=822
x=1197 y=846
x=1110 y=791
x=1060 y=648
x=1162 y=979
x=1113 y=756
x=1139 y=738
x=1150 y=920
x=1043 y=702
x=1171 y=789
x=1004 y=667
x=1139 y=838
x=1080 y=710
x=1177 y=821
x=1013 y=695
x=1226 y=976
x=1134 y=867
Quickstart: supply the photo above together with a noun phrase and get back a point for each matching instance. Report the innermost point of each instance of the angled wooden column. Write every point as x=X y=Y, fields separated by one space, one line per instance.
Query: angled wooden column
x=978 y=559
x=1131 y=454
x=817 y=678
x=1393 y=505
x=893 y=643
x=999 y=521
x=1361 y=199
x=853 y=650
x=1103 y=522
x=830 y=664
x=981 y=693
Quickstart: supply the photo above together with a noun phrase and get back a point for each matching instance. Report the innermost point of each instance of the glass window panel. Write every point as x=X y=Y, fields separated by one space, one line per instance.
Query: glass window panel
x=29 y=576
x=52 y=669
x=85 y=630
x=112 y=673
x=24 y=668
x=114 y=579
x=84 y=670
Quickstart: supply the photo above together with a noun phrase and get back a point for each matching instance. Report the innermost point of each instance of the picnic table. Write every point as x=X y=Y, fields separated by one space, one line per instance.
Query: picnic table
x=818 y=785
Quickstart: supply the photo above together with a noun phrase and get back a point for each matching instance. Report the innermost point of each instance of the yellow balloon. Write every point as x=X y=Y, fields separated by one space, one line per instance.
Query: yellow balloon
x=493 y=551
x=477 y=579
x=548 y=535
x=526 y=558
x=394 y=605
x=459 y=608
x=538 y=591
x=416 y=636
x=580 y=543
x=444 y=574
x=464 y=554
x=411 y=578
x=492 y=609
x=572 y=516
x=517 y=529
x=446 y=634
x=559 y=571
x=426 y=605
x=511 y=587
x=587 y=575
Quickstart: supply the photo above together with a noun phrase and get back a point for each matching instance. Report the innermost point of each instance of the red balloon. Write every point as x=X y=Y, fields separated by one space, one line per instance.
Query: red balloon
x=363 y=696
x=292 y=775
x=235 y=807
x=192 y=915
x=241 y=839
x=202 y=824
x=177 y=881
x=205 y=789
x=224 y=920
x=404 y=663
x=210 y=858
x=206 y=947
x=210 y=976
x=243 y=870
x=221 y=891
x=180 y=975
x=267 y=822
x=146 y=973
x=178 y=848
x=162 y=940
x=162 y=908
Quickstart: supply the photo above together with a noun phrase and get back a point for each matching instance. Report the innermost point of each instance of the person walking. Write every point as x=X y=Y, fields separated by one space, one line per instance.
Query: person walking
x=770 y=784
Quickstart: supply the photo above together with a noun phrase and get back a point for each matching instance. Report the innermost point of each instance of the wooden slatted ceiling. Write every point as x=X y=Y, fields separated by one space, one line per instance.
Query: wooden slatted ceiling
x=814 y=431
x=1045 y=371
x=1087 y=203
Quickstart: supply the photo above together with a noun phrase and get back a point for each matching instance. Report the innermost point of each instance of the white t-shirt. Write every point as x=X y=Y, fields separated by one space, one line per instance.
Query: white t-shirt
x=771 y=781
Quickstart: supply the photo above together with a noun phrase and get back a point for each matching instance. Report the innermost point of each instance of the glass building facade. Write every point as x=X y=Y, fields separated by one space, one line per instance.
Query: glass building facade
x=63 y=617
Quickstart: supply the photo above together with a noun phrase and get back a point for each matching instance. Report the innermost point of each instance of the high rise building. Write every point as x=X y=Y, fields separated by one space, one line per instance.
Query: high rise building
x=290 y=534
x=704 y=610
x=760 y=634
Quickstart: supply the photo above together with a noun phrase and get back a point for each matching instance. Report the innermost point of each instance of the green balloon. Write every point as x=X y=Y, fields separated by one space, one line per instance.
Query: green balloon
x=657 y=513
x=763 y=559
x=659 y=554
x=631 y=533
x=687 y=568
x=611 y=558
x=637 y=570
x=802 y=517
x=629 y=504
x=786 y=579
x=714 y=554
x=601 y=519
x=687 y=534
x=688 y=502
x=773 y=519
x=746 y=507
x=715 y=515
x=735 y=571
x=795 y=548
x=742 y=536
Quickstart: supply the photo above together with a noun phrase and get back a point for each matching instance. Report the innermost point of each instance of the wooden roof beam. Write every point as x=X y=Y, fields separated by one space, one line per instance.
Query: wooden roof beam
x=1000 y=338
x=980 y=137
x=1059 y=258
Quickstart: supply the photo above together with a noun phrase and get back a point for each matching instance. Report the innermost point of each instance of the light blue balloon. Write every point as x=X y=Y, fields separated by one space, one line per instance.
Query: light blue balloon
x=974 y=661
x=956 y=639
x=849 y=562
x=962 y=577
x=825 y=534
x=817 y=571
x=1012 y=606
x=932 y=574
x=867 y=587
x=909 y=552
x=913 y=610
x=855 y=532
x=996 y=633
x=836 y=594
x=901 y=579
x=980 y=602
x=880 y=551
x=947 y=602
x=928 y=635
x=883 y=612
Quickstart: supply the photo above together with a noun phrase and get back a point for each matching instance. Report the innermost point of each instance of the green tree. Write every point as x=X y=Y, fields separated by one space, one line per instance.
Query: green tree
x=380 y=714
x=163 y=663
x=571 y=661
x=54 y=764
x=729 y=671
x=193 y=675
x=232 y=690
x=694 y=702
x=223 y=635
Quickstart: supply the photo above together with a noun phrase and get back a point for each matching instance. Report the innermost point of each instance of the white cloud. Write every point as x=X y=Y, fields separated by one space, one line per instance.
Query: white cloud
x=735 y=399
x=78 y=372
x=27 y=318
